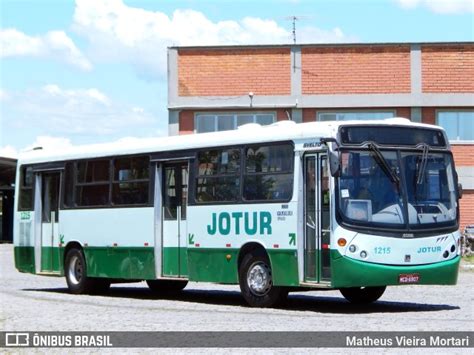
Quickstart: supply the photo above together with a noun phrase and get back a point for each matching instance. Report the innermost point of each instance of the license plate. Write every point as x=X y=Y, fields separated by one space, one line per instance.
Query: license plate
x=408 y=278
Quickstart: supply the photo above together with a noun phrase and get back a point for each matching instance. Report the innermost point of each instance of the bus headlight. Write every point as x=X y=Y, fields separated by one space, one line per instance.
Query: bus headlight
x=352 y=248
x=363 y=254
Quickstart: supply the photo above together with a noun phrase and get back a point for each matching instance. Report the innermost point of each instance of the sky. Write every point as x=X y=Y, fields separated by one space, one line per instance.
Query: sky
x=92 y=71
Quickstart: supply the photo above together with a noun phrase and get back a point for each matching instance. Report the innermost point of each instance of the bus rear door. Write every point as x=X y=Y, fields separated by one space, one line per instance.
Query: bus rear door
x=47 y=199
x=174 y=199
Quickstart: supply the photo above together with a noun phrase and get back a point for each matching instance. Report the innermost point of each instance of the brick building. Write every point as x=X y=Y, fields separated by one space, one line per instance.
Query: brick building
x=220 y=88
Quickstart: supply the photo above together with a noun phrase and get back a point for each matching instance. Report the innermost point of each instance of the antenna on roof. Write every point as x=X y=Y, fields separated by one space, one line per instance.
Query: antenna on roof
x=293 y=19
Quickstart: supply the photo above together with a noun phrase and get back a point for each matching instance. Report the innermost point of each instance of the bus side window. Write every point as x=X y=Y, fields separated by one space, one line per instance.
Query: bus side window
x=218 y=176
x=92 y=183
x=268 y=172
x=26 y=189
x=130 y=181
x=68 y=198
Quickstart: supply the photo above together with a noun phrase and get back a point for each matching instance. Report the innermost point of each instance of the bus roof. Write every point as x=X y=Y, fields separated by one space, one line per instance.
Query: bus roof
x=246 y=134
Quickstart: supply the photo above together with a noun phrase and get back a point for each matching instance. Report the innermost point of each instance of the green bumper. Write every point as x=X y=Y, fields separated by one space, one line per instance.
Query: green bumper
x=352 y=273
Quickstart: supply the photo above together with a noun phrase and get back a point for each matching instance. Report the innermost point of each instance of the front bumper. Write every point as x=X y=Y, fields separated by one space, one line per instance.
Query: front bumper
x=347 y=272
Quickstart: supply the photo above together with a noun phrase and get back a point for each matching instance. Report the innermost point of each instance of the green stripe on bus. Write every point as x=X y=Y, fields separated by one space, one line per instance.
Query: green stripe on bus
x=284 y=267
x=25 y=259
x=51 y=259
x=203 y=264
x=171 y=261
x=221 y=265
x=121 y=262
x=353 y=273
x=213 y=265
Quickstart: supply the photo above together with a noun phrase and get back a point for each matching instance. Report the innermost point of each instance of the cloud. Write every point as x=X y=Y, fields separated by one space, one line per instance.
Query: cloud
x=120 y=33
x=50 y=143
x=8 y=151
x=3 y=95
x=53 y=45
x=440 y=6
x=85 y=112
x=45 y=142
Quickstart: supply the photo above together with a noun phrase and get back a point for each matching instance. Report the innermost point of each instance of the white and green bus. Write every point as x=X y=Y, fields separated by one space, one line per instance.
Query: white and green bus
x=355 y=206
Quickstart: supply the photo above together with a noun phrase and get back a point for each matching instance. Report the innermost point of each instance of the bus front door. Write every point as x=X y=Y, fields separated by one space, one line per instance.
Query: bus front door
x=317 y=217
x=175 y=196
x=49 y=195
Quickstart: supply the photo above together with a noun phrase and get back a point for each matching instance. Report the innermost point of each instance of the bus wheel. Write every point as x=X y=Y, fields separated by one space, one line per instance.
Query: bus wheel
x=363 y=294
x=76 y=273
x=166 y=285
x=256 y=282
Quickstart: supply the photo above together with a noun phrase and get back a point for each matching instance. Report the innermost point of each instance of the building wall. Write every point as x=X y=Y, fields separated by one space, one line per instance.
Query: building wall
x=352 y=70
x=413 y=80
x=466 y=207
x=447 y=69
x=222 y=73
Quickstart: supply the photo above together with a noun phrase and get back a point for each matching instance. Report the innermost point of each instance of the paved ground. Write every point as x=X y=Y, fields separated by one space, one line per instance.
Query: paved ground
x=39 y=303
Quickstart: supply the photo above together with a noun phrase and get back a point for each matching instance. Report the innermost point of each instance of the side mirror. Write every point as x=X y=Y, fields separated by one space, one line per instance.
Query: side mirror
x=459 y=191
x=334 y=156
x=334 y=163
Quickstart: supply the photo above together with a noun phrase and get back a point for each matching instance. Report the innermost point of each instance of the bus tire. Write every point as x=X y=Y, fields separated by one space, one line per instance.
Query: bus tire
x=361 y=295
x=75 y=270
x=166 y=285
x=256 y=282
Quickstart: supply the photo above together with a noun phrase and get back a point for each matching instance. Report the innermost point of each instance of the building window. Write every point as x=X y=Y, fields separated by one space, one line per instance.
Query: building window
x=459 y=125
x=355 y=115
x=229 y=121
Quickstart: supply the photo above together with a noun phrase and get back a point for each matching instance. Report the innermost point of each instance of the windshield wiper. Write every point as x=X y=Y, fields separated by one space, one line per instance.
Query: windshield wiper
x=379 y=158
x=420 y=172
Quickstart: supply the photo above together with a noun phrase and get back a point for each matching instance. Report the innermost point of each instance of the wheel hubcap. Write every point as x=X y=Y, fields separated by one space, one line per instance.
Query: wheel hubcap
x=75 y=271
x=259 y=279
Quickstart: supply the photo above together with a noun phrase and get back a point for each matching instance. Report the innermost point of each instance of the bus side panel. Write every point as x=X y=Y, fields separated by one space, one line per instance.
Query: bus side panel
x=142 y=263
x=51 y=259
x=213 y=265
x=170 y=264
x=120 y=262
x=23 y=239
x=117 y=242
x=218 y=232
x=220 y=265
x=25 y=259
x=284 y=267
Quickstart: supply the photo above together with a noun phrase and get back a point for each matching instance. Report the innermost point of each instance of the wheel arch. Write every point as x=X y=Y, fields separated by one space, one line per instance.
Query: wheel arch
x=250 y=247
x=70 y=245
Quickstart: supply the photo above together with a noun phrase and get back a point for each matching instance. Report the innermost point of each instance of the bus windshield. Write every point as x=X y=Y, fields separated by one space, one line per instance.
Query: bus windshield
x=397 y=189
